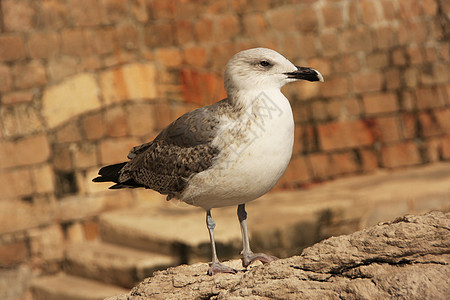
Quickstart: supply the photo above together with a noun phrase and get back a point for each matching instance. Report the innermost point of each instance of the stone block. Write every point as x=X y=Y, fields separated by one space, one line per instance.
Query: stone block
x=17 y=97
x=367 y=82
x=28 y=75
x=400 y=155
x=281 y=19
x=11 y=48
x=443 y=119
x=20 y=119
x=370 y=12
x=13 y=253
x=427 y=98
x=26 y=215
x=380 y=103
x=307 y=19
x=344 y=163
x=161 y=34
x=75 y=42
x=386 y=129
x=43 y=179
x=128 y=36
x=332 y=15
x=43 y=44
x=55 y=13
x=93 y=126
x=5 y=79
x=195 y=56
x=141 y=120
x=254 y=23
x=357 y=40
x=47 y=242
x=116 y=122
x=330 y=44
x=139 y=10
x=132 y=81
x=347 y=64
x=369 y=160
x=335 y=86
x=68 y=133
x=26 y=151
x=115 y=150
x=19 y=15
x=70 y=98
x=385 y=37
x=90 y=230
x=113 y=11
x=341 y=135
x=85 y=12
x=409 y=125
x=62 y=67
x=184 y=32
x=85 y=156
x=15 y=183
x=169 y=57
x=320 y=166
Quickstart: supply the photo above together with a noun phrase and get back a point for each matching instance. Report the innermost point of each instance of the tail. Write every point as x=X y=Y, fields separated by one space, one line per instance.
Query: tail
x=111 y=173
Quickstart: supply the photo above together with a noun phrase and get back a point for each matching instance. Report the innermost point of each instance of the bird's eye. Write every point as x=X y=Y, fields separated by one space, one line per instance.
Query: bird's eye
x=264 y=63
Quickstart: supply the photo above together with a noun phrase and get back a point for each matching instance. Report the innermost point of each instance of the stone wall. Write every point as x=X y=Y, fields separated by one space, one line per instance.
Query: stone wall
x=82 y=81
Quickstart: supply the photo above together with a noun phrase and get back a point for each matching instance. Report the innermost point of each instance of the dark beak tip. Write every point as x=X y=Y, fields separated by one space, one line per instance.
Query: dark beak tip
x=303 y=73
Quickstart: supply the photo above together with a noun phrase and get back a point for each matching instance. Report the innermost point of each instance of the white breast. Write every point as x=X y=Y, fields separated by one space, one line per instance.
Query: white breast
x=255 y=151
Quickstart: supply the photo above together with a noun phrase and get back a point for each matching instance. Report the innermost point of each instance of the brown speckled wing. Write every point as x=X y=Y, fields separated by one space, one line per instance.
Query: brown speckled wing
x=181 y=150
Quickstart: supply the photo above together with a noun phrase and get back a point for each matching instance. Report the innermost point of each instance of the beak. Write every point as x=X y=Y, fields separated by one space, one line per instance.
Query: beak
x=306 y=74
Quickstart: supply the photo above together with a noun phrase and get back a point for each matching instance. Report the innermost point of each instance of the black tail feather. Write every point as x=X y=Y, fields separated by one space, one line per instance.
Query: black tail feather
x=109 y=173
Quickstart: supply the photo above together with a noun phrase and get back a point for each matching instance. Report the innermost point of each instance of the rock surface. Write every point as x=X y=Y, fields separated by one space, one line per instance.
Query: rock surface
x=407 y=258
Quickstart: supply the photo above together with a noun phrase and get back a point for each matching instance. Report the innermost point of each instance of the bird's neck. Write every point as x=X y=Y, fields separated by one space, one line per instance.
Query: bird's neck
x=246 y=99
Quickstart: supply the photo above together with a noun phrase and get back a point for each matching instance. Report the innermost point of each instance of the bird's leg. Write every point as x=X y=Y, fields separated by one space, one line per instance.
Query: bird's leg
x=247 y=255
x=215 y=266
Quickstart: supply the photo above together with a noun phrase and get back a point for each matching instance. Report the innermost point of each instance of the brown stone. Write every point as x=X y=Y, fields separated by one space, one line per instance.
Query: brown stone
x=380 y=103
x=386 y=129
x=332 y=15
x=75 y=42
x=85 y=12
x=15 y=182
x=307 y=18
x=367 y=82
x=340 y=135
x=330 y=44
x=55 y=13
x=30 y=150
x=141 y=119
x=17 y=97
x=128 y=36
x=5 y=78
x=115 y=150
x=169 y=57
x=195 y=56
x=13 y=253
x=400 y=155
x=356 y=40
x=370 y=264
x=19 y=15
x=43 y=45
x=43 y=179
x=335 y=86
x=11 y=48
x=29 y=75
x=93 y=126
x=113 y=11
x=62 y=67
x=116 y=122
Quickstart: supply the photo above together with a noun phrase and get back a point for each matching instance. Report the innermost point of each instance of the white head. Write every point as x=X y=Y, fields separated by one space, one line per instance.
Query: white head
x=262 y=68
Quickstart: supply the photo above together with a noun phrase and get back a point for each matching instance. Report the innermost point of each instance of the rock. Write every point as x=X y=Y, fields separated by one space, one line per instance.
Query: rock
x=407 y=258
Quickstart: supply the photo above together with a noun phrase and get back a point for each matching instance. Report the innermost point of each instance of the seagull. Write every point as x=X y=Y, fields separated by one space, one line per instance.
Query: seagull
x=225 y=154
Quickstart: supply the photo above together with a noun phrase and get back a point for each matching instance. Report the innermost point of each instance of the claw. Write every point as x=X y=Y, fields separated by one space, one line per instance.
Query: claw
x=247 y=259
x=215 y=268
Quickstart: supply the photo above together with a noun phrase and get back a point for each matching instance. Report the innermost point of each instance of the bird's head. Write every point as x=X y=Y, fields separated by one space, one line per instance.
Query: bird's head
x=262 y=68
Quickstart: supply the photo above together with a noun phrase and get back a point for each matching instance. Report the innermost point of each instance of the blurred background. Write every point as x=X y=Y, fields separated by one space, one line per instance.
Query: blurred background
x=83 y=81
